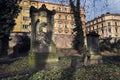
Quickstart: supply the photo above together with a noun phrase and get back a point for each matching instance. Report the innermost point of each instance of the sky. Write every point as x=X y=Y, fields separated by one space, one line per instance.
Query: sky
x=95 y=8
x=101 y=7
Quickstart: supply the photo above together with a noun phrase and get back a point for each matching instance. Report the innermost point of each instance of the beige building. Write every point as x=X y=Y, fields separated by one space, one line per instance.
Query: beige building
x=63 y=25
x=107 y=25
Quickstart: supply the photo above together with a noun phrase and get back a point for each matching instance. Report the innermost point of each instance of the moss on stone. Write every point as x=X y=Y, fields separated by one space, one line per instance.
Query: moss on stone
x=53 y=46
x=42 y=59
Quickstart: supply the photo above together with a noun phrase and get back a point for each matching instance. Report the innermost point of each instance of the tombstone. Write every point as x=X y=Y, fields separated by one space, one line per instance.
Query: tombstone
x=93 y=50
x=43 y=49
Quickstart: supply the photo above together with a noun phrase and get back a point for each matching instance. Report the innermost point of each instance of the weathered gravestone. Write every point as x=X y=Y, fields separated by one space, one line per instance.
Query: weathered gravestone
x=93 y=53
x=43 y=49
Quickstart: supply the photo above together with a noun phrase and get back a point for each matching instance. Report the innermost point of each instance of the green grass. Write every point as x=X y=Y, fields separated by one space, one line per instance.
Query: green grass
x=96 y=72
x=109 y=70
x=17 y=65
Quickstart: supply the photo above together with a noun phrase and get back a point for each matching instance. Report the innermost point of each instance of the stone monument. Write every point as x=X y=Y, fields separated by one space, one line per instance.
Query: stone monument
x=43 y=49
x=93 y=50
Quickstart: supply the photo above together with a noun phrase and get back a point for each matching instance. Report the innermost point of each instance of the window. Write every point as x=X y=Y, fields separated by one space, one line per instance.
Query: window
x=72 y=18
x=93 y=27
x=72 y=25
x=96 y=21
x=102 y=25
x=87 y=29
x=60 y=30
x=90 y=28
x=102 y=30
x=66 y=31
x=109 y=23
x=65 y=17
x=106 y=31
x=115 y=23
x=109 y=29
x=25 y=18
x=101 y=19
x=59 y=9
x=65 y=9
x=116 y=29
x=109 y=35
x=59 y=16
x=26 y=10
x=59 y=25
x=53 y=8
x=65 y=25
x=71 y=11
x=25 y=2
x=25 y=26
x=97 y=26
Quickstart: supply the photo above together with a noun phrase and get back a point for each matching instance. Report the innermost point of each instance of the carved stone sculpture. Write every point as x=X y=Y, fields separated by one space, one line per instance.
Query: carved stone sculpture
x=42 y=21
x=42 y=45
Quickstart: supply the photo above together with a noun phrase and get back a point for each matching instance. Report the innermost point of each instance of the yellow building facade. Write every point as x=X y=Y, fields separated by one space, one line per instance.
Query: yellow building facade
x=63 y=19
x=23 y=19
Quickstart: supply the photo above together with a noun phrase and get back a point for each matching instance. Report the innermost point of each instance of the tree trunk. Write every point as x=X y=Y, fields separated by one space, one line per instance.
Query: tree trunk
x=78 y=42
x=0 y=47
x=4 y=45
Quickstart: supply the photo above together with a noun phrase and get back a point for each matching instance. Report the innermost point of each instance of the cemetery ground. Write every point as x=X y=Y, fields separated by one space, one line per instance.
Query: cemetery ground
x=19 y=69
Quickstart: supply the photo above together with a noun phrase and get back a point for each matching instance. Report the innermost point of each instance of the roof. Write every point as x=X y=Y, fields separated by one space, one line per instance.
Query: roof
x=51 y=3
x=107 y=14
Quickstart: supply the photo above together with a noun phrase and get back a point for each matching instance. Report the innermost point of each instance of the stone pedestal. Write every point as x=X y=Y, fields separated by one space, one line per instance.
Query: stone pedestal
x=43 y=49
x=93 y=54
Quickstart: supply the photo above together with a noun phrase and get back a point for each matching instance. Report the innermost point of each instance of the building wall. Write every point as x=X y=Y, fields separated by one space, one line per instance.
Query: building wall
x=107 y=25
x=64 y=20
x=23 y=20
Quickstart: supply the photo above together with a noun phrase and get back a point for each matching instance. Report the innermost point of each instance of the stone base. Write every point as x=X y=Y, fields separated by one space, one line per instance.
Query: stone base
x=93 y=59
x=43 y=60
